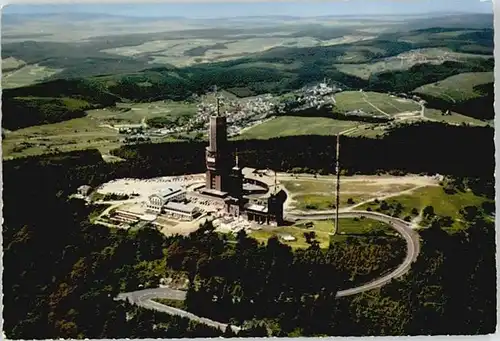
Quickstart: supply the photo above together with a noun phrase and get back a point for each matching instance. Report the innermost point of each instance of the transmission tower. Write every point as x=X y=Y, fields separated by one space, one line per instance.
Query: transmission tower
x=275 y=183
x=337 y=188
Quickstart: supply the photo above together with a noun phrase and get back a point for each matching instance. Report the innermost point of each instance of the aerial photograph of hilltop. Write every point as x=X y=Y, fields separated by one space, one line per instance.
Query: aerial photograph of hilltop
x=267 y=169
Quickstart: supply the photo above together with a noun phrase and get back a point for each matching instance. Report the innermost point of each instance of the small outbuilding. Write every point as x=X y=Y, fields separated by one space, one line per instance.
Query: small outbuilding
x=84 y=190
x=287 y=237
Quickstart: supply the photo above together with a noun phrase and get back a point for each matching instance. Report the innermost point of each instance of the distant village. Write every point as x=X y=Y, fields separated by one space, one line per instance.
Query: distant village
x=241 y=114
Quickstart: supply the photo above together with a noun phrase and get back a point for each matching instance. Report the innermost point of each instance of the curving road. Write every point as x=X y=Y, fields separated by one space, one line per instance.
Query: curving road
x=401 y=226
x=144 y=297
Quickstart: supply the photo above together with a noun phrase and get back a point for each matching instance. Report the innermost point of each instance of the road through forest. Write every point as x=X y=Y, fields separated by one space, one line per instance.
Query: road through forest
x=144 y=298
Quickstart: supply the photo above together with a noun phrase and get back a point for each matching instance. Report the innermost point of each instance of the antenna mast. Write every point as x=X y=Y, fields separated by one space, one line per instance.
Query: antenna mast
x=337 y=187
x=275 y=183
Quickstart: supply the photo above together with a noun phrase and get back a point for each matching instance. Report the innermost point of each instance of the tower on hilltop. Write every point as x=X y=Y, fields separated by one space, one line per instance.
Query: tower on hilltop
x=218 y=160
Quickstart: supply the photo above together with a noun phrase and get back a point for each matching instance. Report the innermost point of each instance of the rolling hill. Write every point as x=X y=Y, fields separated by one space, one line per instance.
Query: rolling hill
x=468 y=93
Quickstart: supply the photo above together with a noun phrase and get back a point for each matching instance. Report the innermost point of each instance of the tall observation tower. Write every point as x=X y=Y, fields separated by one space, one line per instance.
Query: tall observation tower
x=218 y=160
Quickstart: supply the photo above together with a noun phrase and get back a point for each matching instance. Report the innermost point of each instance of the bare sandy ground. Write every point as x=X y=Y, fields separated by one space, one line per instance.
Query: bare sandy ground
x=372 y=186
x=183 y=228
x=418 y=180
x=146 y=187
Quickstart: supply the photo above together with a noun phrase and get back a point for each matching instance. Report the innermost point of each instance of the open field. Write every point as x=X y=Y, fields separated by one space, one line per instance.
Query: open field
x=358 y=228
x=308 y=202
x=373 y=103
x=452 y=118
x=70 y=27
x=457 y=88
x=26 y=75
x=362 y=184
x=319 y=193
x=292 y=126
x=75 y=134
x=444 y=204
x=93 y=131
x=404 y=61
x=356 y=54
x=419 y=36
x=190 y=51
x=11 y=63
x=136 y=112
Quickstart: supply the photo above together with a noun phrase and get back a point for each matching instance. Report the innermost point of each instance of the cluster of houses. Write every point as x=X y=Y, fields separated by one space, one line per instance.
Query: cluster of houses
x=241 y=114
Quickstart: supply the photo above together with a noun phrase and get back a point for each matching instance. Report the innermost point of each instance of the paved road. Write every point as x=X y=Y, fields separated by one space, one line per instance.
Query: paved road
x=403 y=227
x=143 y=298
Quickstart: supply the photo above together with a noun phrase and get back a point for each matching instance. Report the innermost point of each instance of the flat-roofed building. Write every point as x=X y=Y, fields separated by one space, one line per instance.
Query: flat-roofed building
x=257 y=213
x=181 y=211
x=270 y=212
x=158 y=200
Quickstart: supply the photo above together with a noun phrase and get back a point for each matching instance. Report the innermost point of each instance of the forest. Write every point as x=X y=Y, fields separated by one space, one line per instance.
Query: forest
x=422 y=148
x=449 y=290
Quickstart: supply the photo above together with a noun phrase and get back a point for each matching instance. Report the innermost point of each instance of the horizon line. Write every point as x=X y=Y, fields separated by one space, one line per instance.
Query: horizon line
x=444 y=13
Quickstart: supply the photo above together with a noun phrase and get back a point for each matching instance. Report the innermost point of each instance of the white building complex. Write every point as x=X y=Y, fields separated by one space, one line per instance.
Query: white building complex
x=181 y=211
x=158 y=200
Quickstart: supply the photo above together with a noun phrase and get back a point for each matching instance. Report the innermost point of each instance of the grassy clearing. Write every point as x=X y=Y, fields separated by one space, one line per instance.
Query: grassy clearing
x=452 y=34
x=293 y=126
x=355 y=100
x=136 y=112
x=443 y=204
x=347 y=39
x=349 y=227
x=356 y=55
x=453 y=118
x=75 y=134
x=11 y=63
x=26 y=75
x=310 y=202
x=315 y=186
x=457 y=88
x=184 y=52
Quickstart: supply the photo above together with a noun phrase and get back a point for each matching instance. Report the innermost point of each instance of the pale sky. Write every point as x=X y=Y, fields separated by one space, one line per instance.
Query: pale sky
x=292 y=8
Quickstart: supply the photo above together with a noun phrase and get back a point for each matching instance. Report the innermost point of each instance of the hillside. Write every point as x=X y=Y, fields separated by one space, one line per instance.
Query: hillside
x=468 y=93
x=120 y=81
x=243 y=77
x=31 y=111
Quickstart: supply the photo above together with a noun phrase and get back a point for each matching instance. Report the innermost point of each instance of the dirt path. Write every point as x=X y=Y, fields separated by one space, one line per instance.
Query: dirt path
x=349 y=131
x=384 y=197
x=374 y=107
